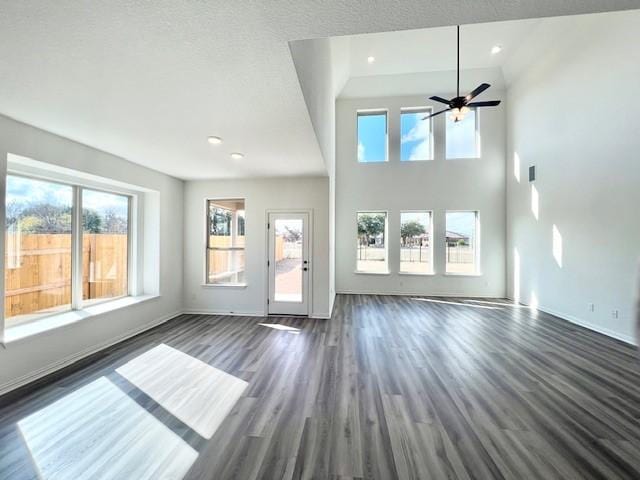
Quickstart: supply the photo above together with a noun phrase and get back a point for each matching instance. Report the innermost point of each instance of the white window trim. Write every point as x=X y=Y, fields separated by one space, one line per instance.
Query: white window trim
x=205 y=274
x=386 y=243
x=428 y=111
x=27 y=168
x=374 y=111
x=477 y=256
x=478 y=139
x=431 y=239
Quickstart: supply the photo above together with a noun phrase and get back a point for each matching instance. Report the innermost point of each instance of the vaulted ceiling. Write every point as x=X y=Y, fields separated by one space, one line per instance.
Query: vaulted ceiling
x=149 y=81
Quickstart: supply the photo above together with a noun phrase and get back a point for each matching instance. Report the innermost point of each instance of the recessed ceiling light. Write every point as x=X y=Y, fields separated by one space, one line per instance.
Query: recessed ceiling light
x=371 y=59
x=237 y=155
x=214 y=140
x=496 y=49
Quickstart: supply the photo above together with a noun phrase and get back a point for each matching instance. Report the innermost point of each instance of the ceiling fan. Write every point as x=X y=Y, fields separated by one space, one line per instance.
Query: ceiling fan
x=460 y=106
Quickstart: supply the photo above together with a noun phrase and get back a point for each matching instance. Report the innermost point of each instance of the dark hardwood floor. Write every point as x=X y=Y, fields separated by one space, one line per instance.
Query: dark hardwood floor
x=390 y=387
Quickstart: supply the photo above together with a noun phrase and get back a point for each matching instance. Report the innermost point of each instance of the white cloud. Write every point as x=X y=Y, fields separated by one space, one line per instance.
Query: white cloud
x=360 y=152
x=420 y=131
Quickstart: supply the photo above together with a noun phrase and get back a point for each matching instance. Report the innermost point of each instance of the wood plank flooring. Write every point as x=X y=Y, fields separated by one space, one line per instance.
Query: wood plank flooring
x=390 y=387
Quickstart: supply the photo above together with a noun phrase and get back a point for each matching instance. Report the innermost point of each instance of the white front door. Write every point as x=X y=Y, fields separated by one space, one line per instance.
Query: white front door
x=289 y=265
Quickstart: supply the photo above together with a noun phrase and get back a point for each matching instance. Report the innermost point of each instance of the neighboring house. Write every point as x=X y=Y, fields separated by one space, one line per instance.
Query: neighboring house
x=454 y=238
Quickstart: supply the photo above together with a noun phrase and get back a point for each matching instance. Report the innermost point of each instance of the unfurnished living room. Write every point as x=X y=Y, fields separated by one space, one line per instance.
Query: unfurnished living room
x=393 y=239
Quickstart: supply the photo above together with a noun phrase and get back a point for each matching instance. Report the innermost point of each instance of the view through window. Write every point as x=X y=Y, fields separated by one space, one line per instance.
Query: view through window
x=225 y=242
x=372 y=136
x=105 y=229
x=462 y=242
x=371 y=242
x=415 y=134
x=288 y=259
x=461 y=137
x=415 y=242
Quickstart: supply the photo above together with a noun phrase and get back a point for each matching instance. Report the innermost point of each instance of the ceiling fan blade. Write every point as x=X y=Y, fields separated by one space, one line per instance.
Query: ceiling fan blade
x=479 y=89
x=440 y=99
x=437 y=113
x=489 y=103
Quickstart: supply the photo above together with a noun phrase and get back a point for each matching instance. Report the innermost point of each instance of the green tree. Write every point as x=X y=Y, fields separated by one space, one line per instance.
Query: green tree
x=411 y=229
x=91 y=221
x=369 y=226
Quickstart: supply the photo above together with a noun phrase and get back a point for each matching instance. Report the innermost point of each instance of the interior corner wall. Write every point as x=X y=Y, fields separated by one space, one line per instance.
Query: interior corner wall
x=438 y=185
x=26 y=359
x=573 y=114
x=261 y=195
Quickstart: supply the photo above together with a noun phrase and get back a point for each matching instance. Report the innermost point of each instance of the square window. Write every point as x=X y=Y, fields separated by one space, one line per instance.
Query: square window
x=463 y=138
x=371 y=247
x=462 y=242
x=416 y=141
x=372 y=136
x=416 y=252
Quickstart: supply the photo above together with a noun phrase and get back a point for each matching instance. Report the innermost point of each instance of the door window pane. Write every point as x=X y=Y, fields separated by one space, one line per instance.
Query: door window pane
x=105 y=245
x=37 y=249
x=462 y=139
x=415 y=242
x=288 y=259
x=462 y=242
x=372 y=137
x=225 y=242
x=415 y=135
x=372 y=242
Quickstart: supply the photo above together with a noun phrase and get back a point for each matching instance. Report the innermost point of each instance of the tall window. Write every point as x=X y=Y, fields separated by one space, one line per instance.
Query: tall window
x=416 y=243
x=462 y=242
x=372 y=136
x=372 y=242
x=463 y=138
x=225 y=242
x=415 y=134
x=40 y=276
x=105 y=236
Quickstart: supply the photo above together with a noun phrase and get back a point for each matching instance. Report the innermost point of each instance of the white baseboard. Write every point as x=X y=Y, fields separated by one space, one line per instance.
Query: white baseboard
x=405 y=294
x=42 y=372
x=321 y=316
x=590 y=326
x=199 y=311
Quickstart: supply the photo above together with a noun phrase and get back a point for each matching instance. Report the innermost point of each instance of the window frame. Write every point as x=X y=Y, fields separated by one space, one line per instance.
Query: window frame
x=432 y=270
x=478 y=138
x=428 y=110
x=77 y=302
x=371 y=112
x=386 y=243
x=476 y=254
x=207 y=225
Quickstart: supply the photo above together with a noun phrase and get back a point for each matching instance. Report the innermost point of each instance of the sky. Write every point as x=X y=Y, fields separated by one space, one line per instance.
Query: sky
x=461 y=137
x=463 y=223
x=27 y=190
x=415 y=137
x=422 y=217
x=372 y=138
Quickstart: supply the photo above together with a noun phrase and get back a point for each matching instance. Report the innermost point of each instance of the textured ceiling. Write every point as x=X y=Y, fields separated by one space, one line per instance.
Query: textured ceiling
x=149 y=81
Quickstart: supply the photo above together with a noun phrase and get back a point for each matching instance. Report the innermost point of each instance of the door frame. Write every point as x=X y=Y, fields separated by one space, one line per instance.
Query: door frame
x=309 y=212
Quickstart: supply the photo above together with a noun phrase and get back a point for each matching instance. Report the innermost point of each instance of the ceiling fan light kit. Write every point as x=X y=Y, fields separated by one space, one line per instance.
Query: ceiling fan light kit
x=460 y=106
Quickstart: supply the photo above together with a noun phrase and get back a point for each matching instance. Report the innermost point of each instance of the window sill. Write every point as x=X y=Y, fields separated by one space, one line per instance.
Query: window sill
x=358 y=272
x=59 y=320
x=418 y=274
x=224 y=285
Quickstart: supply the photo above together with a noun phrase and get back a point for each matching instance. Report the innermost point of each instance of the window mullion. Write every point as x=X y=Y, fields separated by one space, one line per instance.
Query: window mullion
x=76 y=250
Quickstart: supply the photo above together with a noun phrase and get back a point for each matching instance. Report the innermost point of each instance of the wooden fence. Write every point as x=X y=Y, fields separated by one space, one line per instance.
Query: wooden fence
x=38 y=270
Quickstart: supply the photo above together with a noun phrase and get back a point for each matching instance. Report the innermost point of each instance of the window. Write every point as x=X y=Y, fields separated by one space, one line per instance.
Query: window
x=105 y=237
x=415 y=243
x=372 y=136
x=462 y=138
x=40 y=274
x=225 y=242
x=372 y=242
x=415 y=134
x=462 y=242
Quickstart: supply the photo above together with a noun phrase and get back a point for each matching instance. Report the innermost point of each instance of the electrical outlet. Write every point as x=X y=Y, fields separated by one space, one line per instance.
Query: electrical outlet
x=615 y=313
x=592 y=307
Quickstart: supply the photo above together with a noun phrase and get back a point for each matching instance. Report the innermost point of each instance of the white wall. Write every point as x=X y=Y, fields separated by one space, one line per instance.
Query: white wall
x=438 y=185
x=573 y=113
x=23 y=359
x=260 y=195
